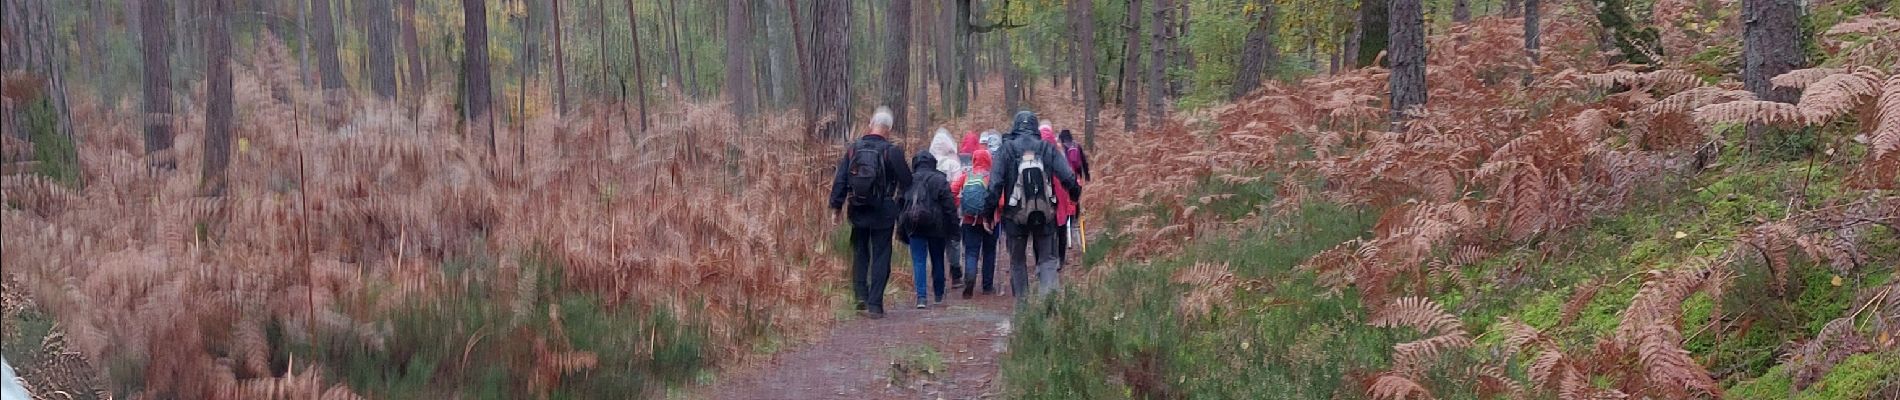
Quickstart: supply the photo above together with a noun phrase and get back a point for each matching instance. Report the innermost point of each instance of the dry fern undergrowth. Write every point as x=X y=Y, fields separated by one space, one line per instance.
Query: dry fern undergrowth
x=700 y=216
x=1494 y=165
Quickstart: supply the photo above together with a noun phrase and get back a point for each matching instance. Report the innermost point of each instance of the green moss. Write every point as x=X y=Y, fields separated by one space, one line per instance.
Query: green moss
x=1776 y=384
x=1855 y=378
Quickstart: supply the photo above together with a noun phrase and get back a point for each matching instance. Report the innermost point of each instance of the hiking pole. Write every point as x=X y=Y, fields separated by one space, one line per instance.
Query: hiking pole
x=1083 y=226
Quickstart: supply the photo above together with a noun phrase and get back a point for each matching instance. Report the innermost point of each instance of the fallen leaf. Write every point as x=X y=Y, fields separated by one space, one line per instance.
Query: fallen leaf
x=1681 y=234
x=1836 y=281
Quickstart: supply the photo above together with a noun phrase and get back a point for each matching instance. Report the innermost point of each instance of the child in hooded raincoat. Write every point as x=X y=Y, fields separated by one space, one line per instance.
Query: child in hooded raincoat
x=950 y=163
x=978 y=231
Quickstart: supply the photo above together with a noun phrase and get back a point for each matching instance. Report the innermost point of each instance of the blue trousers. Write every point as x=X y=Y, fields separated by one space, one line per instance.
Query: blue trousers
x=920 y=247
x=979 y=251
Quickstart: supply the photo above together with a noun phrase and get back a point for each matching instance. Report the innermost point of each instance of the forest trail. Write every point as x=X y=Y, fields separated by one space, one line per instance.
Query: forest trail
x=961 y=341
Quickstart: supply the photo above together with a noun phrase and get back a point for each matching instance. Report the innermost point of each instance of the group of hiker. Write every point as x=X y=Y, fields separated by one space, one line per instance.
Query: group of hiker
x=952 y=203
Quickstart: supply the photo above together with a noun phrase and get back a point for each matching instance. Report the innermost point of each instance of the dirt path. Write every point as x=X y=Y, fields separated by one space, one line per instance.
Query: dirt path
x=959 y=340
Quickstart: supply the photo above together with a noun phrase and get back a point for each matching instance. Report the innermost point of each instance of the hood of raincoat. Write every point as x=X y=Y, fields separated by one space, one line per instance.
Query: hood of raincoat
x=980 y=162
x=971 y=142
x=1049 y=136
x=945 y=150
x=1025 y=124
x=923 y=162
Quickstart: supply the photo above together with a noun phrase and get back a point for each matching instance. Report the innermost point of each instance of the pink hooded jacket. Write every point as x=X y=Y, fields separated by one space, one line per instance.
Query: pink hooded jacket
x=1064 y=207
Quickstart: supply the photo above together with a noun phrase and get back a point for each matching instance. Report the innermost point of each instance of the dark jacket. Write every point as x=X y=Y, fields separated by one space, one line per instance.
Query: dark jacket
x=931 y=184
x=881 y=214
x=1079 y=163
x=1023 y=137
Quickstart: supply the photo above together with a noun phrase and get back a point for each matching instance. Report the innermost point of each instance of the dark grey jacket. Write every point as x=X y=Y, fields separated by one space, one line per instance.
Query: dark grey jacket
x=1023 y=137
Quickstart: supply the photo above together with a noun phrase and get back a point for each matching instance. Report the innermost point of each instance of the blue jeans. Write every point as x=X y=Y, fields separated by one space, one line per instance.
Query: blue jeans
x=919 y=248
x=979 y=249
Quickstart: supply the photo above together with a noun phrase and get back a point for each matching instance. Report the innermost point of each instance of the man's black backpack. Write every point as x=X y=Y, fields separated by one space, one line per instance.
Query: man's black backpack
x=867 y=173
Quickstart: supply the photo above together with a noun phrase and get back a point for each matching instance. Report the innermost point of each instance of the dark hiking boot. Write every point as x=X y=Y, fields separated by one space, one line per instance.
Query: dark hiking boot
x=921 y=304
x=872 y=314
x=969 y=288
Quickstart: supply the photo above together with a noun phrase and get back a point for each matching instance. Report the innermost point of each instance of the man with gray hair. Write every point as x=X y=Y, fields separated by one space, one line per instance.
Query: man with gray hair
x=870 y=175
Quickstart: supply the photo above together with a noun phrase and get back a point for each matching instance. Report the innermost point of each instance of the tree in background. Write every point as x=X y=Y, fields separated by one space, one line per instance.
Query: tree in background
x=382 y=56
x=217 y=140
x=1371 y=33
x=475 y=65
x=325 y=31
x=831 y=59
x=418 y=83
x=1082 y=16
x=897 y=63
x=560 y=63
x=1407 y=57
x=1158 y=64
x=639 y=64
x=1131 y=65
x=1460 y=11
x=739 y=84
x=155 y=51
x=1258 y=51
x=1532 y=35
x=1771 y=46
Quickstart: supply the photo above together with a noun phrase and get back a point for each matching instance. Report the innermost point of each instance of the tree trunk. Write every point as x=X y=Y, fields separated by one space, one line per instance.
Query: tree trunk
x=331 y=70
x=807 y=84
x=1373 y=32
x=1158 y=65
x=739 y=86
x=1461 y=11
x=418 y=82
x=1083 y=15
x=897 y=64
x=560 y=62
x=1408 y=57
x=217 y=140
x=475 y=64
x=1532 y=16
x=1132 y=69
x=966 y=57
x=831 y=56
x=155 y=51
x=774 y=53
x=673 y=44
x=639 y=64
x=1511 y=7
x=1257 y=52
x=1771 y=46
x=382 y=57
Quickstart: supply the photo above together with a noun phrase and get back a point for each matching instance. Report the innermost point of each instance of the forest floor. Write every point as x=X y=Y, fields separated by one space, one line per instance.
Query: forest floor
x=949 y=351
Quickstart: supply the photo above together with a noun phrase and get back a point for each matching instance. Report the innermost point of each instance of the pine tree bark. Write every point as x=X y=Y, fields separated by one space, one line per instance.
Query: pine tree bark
x=382 y=57
x=639 y=63
x=1511 y=7
x=475 y=65
x=217 y=140
x=1374 y=30
x=330 y=70
x=1083 y=16
x=560 y=62
x=418 y=83
x=1408 y=57
x=739 y=85
x=1158 y=65
x=897 y=64
x=831 y=56
x=673 y=45
x=1532 y=33
x=1771 y=46
x=1257 y=51
x=155 y=52
x=1461 y=11
x=1132 y=69
x=808 y=93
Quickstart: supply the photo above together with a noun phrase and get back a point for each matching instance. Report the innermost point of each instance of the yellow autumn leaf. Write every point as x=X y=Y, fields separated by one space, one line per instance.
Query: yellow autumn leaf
x=1681 y=234
x=1836 y=281
x=244 y=145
